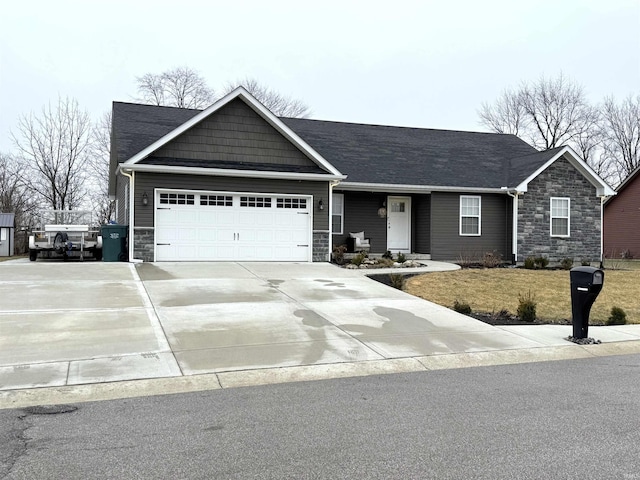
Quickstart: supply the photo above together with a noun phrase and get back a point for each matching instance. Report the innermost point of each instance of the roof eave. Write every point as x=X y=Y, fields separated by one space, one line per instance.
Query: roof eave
x=405 y=188
x=220 y=172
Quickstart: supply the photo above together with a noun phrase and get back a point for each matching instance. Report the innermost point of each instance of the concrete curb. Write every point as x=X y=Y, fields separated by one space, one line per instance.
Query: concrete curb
x=194 y=383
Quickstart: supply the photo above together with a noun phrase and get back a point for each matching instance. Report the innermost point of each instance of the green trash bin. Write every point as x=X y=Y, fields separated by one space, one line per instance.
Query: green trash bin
x=114 y=243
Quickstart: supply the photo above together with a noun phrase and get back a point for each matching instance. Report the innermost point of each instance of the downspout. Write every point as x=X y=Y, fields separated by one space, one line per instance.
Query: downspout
x=131 y=216
x=602 y=199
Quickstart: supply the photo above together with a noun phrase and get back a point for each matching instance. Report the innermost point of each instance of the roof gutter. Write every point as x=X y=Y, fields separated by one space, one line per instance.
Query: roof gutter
x=395 y=188
x=219 y=172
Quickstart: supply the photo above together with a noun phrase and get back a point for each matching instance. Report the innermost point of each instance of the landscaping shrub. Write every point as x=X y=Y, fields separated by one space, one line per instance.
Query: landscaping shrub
x=618 y=316
x=541 y=262
x=338 y=253
x=491 y=259
x=527 y=307
x=529 y=263
x=396 y=280
x=401 y=258
x=566 y=263
x=585 y=262
x=462 y=307
x=358 y=258
x=388 y=255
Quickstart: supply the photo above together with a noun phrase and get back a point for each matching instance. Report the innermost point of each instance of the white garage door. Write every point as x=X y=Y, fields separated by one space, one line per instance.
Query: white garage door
x=220 y=226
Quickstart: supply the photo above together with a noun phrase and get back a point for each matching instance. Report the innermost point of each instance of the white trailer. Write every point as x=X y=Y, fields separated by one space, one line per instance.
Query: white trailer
x=65 y=234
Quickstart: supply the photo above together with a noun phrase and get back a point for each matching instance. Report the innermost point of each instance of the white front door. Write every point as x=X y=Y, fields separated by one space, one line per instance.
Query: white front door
x=399 y=224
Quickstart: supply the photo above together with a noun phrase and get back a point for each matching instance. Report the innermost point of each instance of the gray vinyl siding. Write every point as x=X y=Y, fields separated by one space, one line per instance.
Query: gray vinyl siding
x=446 y=241
x=361 y=214
x=147 y=182
x=235 y=133
x=421 y=224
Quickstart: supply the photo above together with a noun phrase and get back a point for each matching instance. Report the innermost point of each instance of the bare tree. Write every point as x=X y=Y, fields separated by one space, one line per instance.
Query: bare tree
x=280 y=105
x=98 y=166
x=15 y=198
x=180 y=87
x=553 y=112
x=53 y=150
x=621 y=132
x=506 y=115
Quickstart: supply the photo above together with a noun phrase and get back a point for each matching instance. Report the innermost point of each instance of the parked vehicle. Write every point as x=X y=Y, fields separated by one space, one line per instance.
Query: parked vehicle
x=65 y=234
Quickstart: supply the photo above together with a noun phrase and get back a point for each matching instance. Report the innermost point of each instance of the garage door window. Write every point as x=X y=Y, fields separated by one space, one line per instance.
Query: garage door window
x=216 y=200
x=259 y=202
x=297 y=203
x=177 y=199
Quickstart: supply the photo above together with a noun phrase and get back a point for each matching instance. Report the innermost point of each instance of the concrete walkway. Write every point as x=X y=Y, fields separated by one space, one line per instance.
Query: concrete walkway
x=93 y=330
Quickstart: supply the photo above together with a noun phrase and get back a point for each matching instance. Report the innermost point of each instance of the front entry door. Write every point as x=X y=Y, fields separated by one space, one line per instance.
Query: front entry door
x=399 y=224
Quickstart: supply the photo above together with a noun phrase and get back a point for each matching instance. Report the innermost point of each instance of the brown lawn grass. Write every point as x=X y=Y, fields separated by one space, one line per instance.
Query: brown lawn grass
x=491 y=290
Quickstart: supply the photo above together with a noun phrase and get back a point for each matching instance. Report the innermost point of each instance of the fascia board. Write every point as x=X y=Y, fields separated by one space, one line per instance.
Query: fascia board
x=395 y=188
x=258 y=108
x=602 y=189
x=220 y=172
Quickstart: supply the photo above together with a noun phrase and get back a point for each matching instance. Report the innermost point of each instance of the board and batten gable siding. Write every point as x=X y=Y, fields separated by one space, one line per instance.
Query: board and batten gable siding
x=446 y=241
x=622 y=221
x=361 y=214
x=421 y=224
x=147 y=182
x=235 y=133
x=560 y=179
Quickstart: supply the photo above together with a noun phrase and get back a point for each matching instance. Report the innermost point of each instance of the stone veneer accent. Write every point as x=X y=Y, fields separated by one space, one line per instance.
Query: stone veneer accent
x=320 y=251
x=561 y=179
x=143 y=240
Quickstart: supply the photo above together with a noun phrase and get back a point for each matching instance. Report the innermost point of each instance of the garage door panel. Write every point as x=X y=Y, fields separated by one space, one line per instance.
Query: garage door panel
x=223 y=230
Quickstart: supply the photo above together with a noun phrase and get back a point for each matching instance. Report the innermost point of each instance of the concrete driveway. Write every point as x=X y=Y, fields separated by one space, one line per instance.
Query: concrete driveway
x=92 y=322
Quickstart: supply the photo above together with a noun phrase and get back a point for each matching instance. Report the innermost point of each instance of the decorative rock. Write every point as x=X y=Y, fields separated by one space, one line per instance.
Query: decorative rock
x=584 y=341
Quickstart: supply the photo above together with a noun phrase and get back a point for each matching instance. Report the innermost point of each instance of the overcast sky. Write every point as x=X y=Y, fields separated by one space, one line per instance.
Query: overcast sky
x=411 y=63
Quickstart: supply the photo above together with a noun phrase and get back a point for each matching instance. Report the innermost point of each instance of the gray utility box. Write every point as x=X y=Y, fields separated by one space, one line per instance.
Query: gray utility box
x=586 y=284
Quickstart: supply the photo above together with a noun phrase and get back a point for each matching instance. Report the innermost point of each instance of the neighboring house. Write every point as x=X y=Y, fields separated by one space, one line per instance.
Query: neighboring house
x=235 y=182
x=7 y=234
x=622 y=219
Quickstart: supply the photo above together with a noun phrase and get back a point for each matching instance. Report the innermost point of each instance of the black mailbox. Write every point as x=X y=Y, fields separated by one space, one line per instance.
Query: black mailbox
x=586 y=283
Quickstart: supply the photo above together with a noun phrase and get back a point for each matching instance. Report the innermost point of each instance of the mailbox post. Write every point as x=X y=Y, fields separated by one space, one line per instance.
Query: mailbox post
x=586 y=284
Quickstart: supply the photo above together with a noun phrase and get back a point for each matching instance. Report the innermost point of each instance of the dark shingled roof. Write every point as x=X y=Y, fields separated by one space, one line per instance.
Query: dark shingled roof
x=413 y=156
x=137 y=126
x=368 y=153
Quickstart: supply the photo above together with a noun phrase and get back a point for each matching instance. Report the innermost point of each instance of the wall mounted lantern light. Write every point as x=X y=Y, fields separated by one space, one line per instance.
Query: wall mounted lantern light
x=382 y=211
x=321 y=204
x=145 y=199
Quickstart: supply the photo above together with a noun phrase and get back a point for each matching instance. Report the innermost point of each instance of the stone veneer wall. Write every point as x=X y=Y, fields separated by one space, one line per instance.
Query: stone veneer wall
x=561 y=179
x=143 y=240
x=321 y=242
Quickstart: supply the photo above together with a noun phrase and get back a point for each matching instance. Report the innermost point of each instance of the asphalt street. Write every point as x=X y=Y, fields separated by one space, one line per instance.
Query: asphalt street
x=567 y=419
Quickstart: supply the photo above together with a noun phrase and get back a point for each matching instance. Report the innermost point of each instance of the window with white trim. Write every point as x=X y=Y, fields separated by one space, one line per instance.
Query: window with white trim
x=337 y=213
x=3 y=234
x=559 y=217
x=470 y=215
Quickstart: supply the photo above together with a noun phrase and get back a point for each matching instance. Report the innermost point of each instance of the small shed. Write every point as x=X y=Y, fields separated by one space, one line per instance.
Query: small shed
x=7 y=234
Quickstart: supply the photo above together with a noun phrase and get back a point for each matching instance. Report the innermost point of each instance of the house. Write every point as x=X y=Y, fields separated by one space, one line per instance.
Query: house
x=622 y=219
x=7 y=234
x=235 y=182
